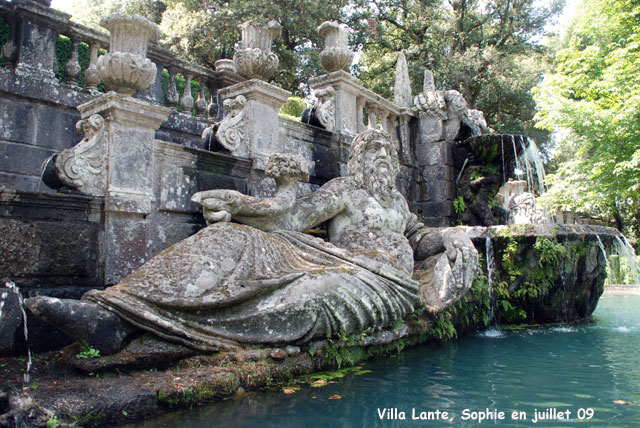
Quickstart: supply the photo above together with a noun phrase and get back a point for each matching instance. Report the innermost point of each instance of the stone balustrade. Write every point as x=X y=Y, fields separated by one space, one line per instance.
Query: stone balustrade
x=353 y=103
x=30 y=50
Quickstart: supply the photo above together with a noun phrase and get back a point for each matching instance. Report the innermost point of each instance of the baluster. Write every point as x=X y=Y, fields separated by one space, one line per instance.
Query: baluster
x=383 y=114
x=10 y=49
x=360 y=114
x=373 y=116
x=187 y=99
x=213 y=109
x=72 y=67
x=91 y=77
x=172 y=92
x=201 y=102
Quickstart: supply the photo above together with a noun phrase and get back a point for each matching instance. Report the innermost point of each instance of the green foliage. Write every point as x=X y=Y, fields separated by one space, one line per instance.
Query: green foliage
x=472 y=310
x=88 y=352
x=53 y=422
x=510 y=259
x=89 y=12
x=442 y=328
x=549 y=251
x=180 y=85
x=514 y=293
x=294 y=107
x=458 y=205
x=591 y=101
x=63 y=53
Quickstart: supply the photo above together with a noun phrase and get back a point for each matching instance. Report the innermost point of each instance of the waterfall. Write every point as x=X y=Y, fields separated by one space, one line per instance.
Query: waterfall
x=490 y=270
x=606 y=259
x=538 y=166
x=518 y=171
x=13 y=288
x=527 y=166
x=533 y=166
x=626 y=251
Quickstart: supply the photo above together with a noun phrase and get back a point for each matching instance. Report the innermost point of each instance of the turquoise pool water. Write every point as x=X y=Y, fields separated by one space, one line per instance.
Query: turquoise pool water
x=577 y=376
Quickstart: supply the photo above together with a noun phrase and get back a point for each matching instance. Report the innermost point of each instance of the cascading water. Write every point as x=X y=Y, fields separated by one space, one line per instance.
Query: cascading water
x=538 y=166
x=527 y=169
x=626 y=251
x=490 y=270
x=533 y=166
x=604 y=253
x=518 y=171
x=14 y=289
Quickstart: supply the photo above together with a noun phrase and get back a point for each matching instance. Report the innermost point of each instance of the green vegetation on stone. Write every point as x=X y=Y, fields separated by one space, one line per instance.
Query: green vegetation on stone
x=88 y=352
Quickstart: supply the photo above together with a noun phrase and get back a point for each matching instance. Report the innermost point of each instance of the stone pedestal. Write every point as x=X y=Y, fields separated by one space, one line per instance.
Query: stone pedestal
x=258 y=121
x=430 y=129
x=130 y=127
x=347 y=88
x=254 y=129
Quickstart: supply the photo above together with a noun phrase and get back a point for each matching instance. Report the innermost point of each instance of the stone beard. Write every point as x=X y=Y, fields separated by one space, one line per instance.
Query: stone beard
x=376 y=174
x=380 y=181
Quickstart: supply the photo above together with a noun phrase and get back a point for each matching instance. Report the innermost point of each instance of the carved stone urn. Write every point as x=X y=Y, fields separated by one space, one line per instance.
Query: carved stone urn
x=336 y=54
x=253 y=58
x=126 y=69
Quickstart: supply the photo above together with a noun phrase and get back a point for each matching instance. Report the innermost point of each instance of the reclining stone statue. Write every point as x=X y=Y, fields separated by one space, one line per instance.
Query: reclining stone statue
x=261 y=281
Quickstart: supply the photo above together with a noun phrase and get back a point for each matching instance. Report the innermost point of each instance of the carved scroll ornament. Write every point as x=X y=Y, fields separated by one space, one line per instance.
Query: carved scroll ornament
x=326 y=109
x=230 y=132
x=84 y=165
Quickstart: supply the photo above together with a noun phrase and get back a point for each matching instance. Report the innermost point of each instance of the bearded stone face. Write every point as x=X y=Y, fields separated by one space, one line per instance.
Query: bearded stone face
x=373 y=163
x=377 y=171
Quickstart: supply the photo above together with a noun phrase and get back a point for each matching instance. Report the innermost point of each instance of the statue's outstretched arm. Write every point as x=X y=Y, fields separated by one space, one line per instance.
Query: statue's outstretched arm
x=319 y=206
x=424 y=242
x=262 y=213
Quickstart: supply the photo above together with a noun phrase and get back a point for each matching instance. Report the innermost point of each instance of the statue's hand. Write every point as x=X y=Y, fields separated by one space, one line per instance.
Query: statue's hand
x=463 y=258
x=219 y=205
x=446 y=276
x=432 y=103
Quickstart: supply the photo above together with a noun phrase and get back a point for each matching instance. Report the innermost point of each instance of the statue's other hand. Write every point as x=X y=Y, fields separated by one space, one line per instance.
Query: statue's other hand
x=219 y=204
x=462 y=255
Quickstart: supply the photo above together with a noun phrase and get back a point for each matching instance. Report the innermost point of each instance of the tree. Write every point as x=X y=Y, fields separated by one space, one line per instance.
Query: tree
x=89 y=12
x=592 y=102
x=204 y=31
x=488 y=50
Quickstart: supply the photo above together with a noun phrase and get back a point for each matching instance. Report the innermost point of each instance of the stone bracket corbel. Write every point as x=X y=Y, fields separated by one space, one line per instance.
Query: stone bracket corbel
x=84 y=166
x=326 y=108
x=230 y=132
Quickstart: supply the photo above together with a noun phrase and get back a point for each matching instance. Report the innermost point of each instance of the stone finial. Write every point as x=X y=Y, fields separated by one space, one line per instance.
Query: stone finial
x=125 y=69
x=428 y=84
x=336 y=54
x=253 y=58
x=402 y=88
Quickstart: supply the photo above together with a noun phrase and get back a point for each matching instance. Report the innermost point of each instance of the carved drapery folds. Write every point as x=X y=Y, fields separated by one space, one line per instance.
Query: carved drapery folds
x=230 y=131
x=125 y=69
x=326 y=108
x=253 y=59
x=84 y=165
x=336 y=54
